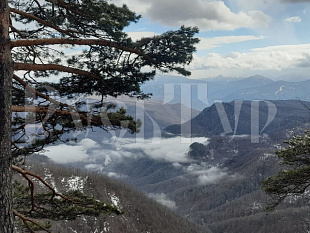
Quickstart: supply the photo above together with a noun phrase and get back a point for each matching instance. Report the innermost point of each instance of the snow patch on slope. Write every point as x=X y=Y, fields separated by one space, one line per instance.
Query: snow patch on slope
x=74 y=183
x=115 y=200
x=48 y=178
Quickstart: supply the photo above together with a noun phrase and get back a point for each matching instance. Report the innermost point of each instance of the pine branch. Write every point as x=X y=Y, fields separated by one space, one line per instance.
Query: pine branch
x=99 y=42
x=94 y=120
x=44 y=22
x=27 y=219
x=44 y=67
x=40 y=94
x=56 y=205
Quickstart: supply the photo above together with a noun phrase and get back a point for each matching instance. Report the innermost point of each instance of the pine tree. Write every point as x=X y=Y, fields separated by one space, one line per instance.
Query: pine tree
x=294 y=178
x=40 y=37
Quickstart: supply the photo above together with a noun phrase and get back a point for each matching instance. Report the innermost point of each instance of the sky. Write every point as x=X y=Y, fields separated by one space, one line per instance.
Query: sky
x=239 y=38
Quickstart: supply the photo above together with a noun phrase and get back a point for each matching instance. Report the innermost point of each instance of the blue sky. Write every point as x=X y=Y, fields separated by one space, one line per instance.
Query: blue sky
x=239 y=38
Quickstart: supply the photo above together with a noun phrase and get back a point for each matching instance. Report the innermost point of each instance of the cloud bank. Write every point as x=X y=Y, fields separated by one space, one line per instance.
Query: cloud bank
x=163 y=199
x=170 y=150
x=206 y=174
x=71 y=153
x=214 y=15
x=273 y=58
x=211 y=176
x=207 y=15
x=97 y=157
x=214 y=42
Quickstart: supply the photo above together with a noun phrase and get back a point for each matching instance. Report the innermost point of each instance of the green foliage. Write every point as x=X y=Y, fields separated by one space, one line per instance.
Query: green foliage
x=68 y=206
x=107 y=63
x=197 y=150
x=294 y=178
x=112 y=65
x=90 y=17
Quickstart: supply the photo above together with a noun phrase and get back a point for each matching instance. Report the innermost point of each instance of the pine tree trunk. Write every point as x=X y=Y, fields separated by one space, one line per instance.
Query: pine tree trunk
x=6 y=74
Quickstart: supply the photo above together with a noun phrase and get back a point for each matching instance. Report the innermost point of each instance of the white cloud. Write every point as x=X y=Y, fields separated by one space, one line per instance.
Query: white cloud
x=93 y=166
x=115 y=175
x=253 y=4
x=167 y=149
x=211 y=176
x=163 y=199
x=273 y=58
x=213 y=15
x=177 y=165
x=170 y=149
x=213 y=42
x=70 y=153
x=137 y=6
x=207 y=15
x=294 y=19
x=138 y=35
x=206 y=174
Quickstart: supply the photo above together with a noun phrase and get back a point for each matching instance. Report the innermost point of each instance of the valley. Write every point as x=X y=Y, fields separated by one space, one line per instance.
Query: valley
x=215 y=180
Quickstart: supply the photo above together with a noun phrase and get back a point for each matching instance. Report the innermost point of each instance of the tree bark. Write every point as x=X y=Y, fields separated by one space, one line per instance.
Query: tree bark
x=6 y=74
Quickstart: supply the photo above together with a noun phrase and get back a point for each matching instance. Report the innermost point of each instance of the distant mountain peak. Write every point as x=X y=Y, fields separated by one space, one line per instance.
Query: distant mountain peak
x=260 y=77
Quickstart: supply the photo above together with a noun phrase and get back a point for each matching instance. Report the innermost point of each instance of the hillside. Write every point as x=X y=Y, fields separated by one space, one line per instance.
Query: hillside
x=237 y=117
x=218 y=187
x=141 y=214
x=155 y=116
x=216 y=181
x=221 y=189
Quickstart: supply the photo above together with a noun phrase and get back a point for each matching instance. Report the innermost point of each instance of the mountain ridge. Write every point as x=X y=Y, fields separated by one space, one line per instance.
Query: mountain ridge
x=222 y=118
x=226 y=89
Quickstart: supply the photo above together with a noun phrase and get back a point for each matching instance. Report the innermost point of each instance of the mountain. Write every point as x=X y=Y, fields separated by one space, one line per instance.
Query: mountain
x=162 y=114
x=168 y=89
x=215 y=181
x=155 y=116
x=141 y=213
x=234 y=86
x=201 y=92
x=156 y=86
x=280 y=90
x=220 y=79
x=239 y=117
x=220 y=190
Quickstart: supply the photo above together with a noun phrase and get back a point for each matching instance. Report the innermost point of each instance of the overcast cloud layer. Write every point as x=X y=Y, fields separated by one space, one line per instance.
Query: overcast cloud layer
x=170 y=149
x=98 y=156
x=207 y=15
